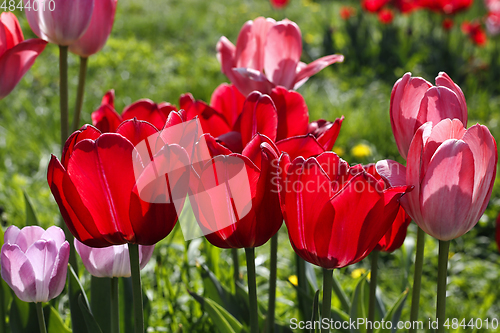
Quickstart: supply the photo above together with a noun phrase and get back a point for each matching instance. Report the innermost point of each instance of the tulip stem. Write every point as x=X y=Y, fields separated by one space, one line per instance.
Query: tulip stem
x=417 y=278
x=80 y=92
x=236 y=266
x=373 y=290
x=302 y=288
x=115 y=306
x=444 y=248
x=41 y=318
x=133 y=250
x=252 y=290
x=272 y=284
x=326 y=307
x=63 y=92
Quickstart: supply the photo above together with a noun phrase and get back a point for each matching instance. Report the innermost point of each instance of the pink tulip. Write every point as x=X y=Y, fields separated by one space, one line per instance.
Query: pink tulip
x=266 y=55
x=452 y=170
x=16 y=54
x=63 y=25
x=34 y=262
x=414 y=101
x=111 y=261
x=94 y=39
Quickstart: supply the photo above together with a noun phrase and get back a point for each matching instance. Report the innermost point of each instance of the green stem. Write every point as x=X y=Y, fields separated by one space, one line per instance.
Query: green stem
x=344 y=300
x=302 y=288
x=252 y=290
x=41 y=318
x=63 y=92
x=373 y=290
x=326 y=307
x=115 y=306
x=417 y=278
x=272 y=284
x=136 y=287
x=444 y=247
x=80 y=92
x=236 y=266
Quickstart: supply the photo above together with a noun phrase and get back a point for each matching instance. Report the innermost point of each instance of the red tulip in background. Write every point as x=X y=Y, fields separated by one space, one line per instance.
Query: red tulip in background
x=414 y=101
x=16 y=54
x=346 y=12
x=446 y=6
x=475 y=31
x=96 y=190
x=452 y=170
x=235 y=196
x=395 y=236
x=335 y=214
x=97 y=33
x=447 y=24
x=385 y=16
x=279 y=3
x=63 y=25
x=267 y=54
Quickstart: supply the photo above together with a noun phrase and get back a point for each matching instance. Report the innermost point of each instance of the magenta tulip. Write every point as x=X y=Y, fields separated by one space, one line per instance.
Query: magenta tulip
x=414 y=101
x=61 y=22
x=452 y=170
x=34 y=262
x=16 y=54
x=111 y=261
x=266 y=55
x=94 y=39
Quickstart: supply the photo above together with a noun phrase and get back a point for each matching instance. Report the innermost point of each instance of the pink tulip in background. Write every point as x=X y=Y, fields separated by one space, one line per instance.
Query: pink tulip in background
x=16 y=54
x=35 y=262
x=62 y=26
x=279 y=3
x=266 y=55
x=414 y=101
x=111 y=261
x=452 y=170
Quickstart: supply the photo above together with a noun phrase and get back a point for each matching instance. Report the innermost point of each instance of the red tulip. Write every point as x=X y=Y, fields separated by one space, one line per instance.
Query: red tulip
x=99 y=196
x=16 y=54
x=385 y=16
x=62 y=24
x=414 y=101
x=335 y=214
x=101 y=23
x=346 y=12
x=106 y=119
x=447 y=24
x=374 y=6
x=452 y=170
x=266 y=55
x=475 y=31
x=235 y=197
x=395 y=236
x=446 y=6
x=279 y=3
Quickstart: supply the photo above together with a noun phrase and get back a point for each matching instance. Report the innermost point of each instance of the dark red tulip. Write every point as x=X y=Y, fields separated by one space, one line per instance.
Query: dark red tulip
x=279 y=3
x=385 y=16
x=475 y=32
x=446 y=6
x=235 y=196
x=335 y=214
x=346 y=12
x=374 y=6
x=99 y=190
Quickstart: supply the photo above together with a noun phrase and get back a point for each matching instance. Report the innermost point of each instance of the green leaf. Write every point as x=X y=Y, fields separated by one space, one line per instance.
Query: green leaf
x=31 y=218
x=360 y=301
x=54 y=321
x=394 y=313
x=90 y=321
x=75 y=290
x=315 y=310
x=339 y=315
x=222 y=319
x=100 y=301
x=23 y=317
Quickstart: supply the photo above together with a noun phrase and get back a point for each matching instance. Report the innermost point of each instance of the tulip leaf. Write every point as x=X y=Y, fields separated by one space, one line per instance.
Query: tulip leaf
x=222 y=319
x=5 y=299
x=31 y=218
x=54 y=321
x=22 y=317
x=100 y=301
x=341 y=316
x=90 y=321
x=394 y=313
x=360 y=301
x=315 y=309
x=75 y=290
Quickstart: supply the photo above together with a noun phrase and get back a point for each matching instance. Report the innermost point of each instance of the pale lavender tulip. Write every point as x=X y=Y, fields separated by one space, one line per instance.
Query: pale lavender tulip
x=266 y=55
x=34 y=262
x=94 y=39
x=414 y=101
x=452 y=170
x=111 y=261
x=61 y=22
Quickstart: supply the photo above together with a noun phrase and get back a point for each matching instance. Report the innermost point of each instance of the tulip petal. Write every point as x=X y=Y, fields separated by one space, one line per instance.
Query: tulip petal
x=251 y=42
x=109 y=98
x=18 y=272
x=253 y=149
x=326 y=132
x=258 y=116
x=304 y=145
x=11 y=31
x=293 y=117
x=28 y=236
x=211 y=121
x=56 y=234
x=252 y=80
x=147 y=110
x=136 y=131
x=314 y=67
x=444 y=80
x=11 y=235
x=439 y=103
x=106 y=119
x=228 y=100
x=86 y=132
x=59 y=271
x=42 y=255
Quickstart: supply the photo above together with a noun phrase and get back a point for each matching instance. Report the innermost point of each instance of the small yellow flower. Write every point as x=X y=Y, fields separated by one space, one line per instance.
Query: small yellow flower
x=339 y=151
x=451 y=254
x=361 y=150
x=358 y=272
x=293 y=280
x=309 y=38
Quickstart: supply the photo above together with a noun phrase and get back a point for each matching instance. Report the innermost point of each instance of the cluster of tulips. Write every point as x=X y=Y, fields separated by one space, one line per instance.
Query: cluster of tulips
x=248 y=160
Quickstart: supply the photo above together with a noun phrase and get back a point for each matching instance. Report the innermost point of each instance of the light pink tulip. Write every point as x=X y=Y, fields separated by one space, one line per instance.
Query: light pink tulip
x=452 y=170
x=94 y=39
x=266 y=55
x=414 y=101
x=16 y=54
x=35 y=262
x=111 y=261
x=63 y=25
